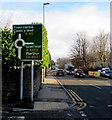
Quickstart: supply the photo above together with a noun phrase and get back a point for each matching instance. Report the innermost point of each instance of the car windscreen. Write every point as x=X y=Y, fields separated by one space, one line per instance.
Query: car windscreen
x=108 y=71
x=80 y=71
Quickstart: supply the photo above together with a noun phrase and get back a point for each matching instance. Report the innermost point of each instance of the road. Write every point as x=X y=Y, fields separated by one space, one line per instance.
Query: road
x=96 y=93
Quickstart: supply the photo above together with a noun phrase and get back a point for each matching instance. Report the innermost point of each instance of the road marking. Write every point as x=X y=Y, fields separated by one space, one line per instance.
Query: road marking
x=69 y=114
x=16 y=117
x=82 y=114
x=75 y=95
x=109 y=105
x=95 y=86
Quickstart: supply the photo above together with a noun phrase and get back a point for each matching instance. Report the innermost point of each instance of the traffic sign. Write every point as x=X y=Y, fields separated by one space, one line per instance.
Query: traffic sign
x=28 y=41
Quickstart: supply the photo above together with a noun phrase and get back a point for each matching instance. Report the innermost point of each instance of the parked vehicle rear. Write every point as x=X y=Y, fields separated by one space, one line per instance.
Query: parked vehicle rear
x=60 y=72
x=79 y=73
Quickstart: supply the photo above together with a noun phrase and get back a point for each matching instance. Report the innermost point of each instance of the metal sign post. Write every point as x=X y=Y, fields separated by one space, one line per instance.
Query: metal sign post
x=32 y=79
x=21 y=82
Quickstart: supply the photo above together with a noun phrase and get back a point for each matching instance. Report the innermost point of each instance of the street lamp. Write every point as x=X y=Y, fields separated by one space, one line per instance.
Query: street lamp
x=44 y=4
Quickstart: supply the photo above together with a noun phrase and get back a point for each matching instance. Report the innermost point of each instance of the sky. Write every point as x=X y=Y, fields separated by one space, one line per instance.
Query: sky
x=62 y=20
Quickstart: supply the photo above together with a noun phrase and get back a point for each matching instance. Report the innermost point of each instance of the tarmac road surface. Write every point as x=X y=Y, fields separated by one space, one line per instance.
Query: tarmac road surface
x=95 y=92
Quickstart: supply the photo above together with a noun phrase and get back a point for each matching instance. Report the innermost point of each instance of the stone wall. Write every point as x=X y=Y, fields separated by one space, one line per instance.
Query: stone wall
x=37 y=80
x=27 y=81
x=11 y=83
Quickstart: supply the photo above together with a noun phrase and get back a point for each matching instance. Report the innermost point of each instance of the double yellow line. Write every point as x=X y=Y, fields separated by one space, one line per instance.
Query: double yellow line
x=75 y=96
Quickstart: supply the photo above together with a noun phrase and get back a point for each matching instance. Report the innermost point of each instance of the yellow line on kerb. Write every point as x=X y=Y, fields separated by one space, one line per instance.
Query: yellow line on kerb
x=75 y=95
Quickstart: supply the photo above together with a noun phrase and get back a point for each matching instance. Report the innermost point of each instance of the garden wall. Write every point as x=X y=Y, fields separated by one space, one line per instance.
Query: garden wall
x=11 y=83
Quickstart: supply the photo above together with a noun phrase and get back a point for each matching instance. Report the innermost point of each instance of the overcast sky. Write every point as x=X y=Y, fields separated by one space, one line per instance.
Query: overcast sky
x=63 y=20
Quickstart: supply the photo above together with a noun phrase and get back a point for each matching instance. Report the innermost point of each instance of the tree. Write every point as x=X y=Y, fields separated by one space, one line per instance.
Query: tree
x=8 y=51
x=101 y=48
x=52 y=62
x=91 y=55
x=46 y=54
x=62 y=61
x=79 y=51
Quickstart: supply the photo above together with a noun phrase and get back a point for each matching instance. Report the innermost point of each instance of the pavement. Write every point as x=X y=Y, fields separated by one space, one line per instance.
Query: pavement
x=52 y=96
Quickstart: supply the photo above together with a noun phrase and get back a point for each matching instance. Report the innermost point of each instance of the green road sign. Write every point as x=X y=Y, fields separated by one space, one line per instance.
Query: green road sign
x=28 y=41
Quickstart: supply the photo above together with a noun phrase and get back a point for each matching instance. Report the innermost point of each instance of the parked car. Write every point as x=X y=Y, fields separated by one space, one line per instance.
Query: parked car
x=107 y=73
x=102 y=72
x=69 y=72
x=60 y=72
x=79 y=73
x=103 y=69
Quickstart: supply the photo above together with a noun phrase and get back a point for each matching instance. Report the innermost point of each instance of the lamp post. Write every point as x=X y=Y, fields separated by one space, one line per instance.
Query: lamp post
x=44 y=4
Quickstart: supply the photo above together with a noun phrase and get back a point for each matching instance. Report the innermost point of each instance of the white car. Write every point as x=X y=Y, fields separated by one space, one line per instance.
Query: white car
x=103 y=71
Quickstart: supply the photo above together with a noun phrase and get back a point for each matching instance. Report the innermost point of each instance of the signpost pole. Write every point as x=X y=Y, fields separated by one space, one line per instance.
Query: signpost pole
x=32 y=79
x=21 y=82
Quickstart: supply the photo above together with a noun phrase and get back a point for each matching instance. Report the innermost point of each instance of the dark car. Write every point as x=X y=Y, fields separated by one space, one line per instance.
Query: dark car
x=60 y=72
x=79 y=73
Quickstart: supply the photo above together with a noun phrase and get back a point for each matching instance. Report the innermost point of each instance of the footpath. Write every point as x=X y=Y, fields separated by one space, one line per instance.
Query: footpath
x=52 y=96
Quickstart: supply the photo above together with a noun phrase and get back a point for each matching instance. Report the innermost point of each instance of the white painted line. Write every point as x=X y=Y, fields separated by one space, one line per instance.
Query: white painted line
x=16 y=117
x=19 y=109
x=95 y=86
x=82 y=114
x=109 y=105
